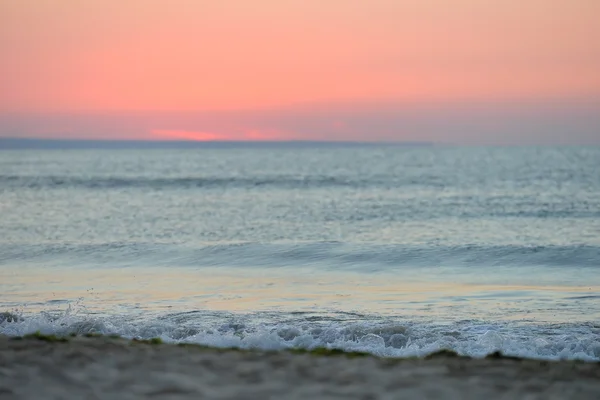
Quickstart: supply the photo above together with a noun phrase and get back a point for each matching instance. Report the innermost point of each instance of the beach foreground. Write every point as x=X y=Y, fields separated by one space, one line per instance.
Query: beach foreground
x=111 y=368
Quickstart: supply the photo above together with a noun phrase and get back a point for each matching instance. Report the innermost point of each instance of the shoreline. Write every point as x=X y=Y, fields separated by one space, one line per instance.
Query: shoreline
x=103 y=367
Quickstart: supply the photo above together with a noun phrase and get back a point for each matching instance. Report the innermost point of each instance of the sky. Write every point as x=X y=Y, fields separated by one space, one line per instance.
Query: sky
x=448 y=71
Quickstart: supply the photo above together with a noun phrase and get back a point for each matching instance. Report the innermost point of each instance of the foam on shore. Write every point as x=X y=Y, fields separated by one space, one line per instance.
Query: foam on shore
x=344 y=331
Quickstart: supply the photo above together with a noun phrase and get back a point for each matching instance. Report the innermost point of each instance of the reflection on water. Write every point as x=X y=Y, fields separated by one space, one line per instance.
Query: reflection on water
x=242 y=290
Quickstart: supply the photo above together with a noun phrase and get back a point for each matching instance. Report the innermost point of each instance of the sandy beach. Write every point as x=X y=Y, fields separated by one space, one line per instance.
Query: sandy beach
x=110 y=368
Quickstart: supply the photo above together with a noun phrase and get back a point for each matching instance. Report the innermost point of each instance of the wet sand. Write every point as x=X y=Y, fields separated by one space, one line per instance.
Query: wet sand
x=105 y=368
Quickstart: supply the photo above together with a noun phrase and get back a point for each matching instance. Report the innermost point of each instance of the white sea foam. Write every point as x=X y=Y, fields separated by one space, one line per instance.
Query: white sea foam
x=276 y=331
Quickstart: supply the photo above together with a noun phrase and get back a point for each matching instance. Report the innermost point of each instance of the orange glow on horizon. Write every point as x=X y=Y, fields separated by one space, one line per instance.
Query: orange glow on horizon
x=162 y=134
x=252 y=135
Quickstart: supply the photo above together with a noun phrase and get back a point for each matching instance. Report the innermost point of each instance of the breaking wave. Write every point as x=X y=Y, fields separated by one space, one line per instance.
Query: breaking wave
x=345 y=331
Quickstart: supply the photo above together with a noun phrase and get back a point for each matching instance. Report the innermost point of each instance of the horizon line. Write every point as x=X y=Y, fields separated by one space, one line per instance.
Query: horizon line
x=57 y=143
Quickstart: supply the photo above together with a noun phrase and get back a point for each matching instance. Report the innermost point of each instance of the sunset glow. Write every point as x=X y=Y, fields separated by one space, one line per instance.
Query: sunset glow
x=94 y=58
x=162 y=134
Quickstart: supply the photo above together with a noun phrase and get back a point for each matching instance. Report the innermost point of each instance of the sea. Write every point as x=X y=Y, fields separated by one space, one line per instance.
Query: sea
x=396 y=250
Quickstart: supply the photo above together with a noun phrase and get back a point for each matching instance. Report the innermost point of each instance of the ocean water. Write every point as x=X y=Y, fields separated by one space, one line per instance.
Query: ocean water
x=394 y=250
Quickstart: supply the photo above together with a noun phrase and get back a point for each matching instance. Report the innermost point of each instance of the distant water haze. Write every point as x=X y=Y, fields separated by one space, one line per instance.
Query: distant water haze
x=551 y=123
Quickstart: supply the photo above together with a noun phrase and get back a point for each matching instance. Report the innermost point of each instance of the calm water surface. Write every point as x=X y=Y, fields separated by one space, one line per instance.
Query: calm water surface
x=393 y=250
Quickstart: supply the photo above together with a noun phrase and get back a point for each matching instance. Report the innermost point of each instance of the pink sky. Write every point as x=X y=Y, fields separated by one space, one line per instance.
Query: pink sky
x=126 y=69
